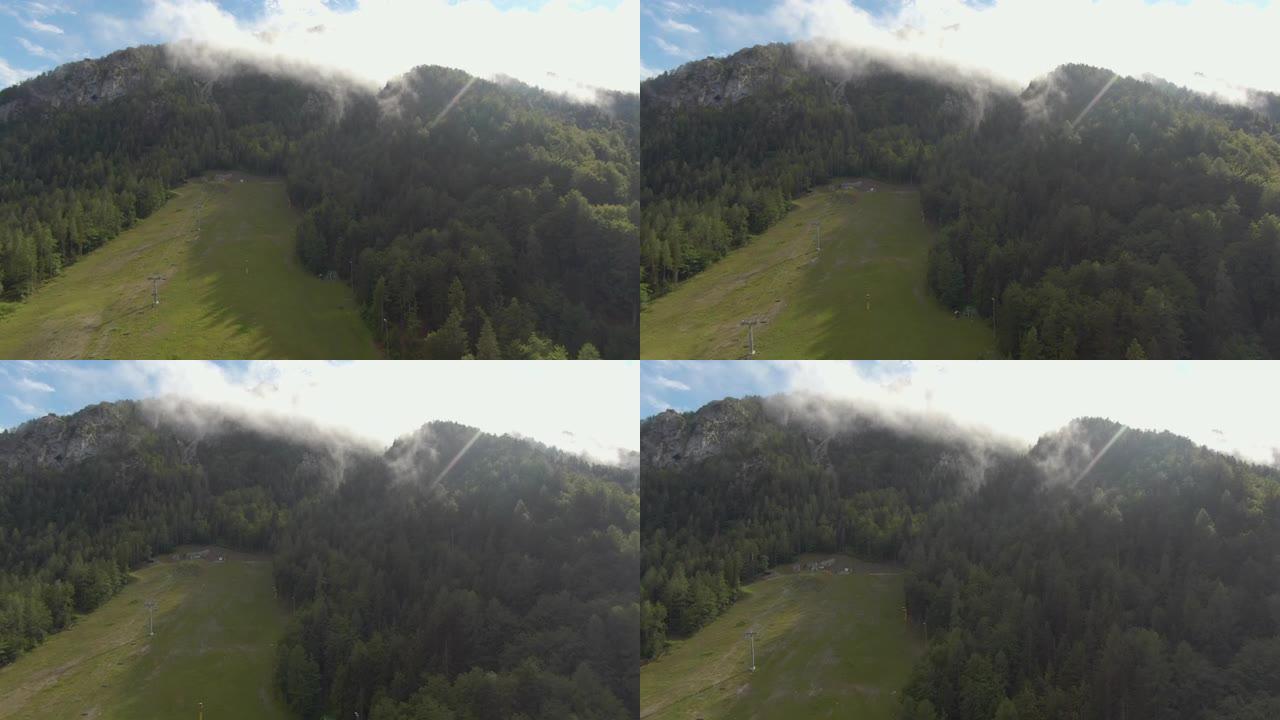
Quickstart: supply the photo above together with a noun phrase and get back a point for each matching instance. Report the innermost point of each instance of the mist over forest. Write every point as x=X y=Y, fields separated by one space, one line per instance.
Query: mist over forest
x=471 y=217
x=454 y=573
x=1087 y=214
x=1103 y=572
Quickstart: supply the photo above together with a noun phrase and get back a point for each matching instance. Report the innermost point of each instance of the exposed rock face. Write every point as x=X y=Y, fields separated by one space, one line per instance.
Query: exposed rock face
x=124 y=429
x=717 y=82
x=672 y=438
x=88 y=82
x=57 y=442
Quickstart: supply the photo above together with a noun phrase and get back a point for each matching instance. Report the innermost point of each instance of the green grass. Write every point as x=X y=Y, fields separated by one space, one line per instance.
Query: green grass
x=234 y=288
x=216 y=629
x=816 y=303
x=829 y=646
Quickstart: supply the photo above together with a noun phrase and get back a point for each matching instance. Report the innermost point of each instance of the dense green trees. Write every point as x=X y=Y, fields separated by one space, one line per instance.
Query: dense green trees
x=525 y=201
x=713 y=175
x=709 y=528
x=500 y=586
x=1141 y=591
x=506 y=589
x=1150 y=225
x=1146 y=587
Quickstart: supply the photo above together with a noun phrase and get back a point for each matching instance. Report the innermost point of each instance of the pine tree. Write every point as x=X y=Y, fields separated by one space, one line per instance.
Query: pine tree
x=487 y=344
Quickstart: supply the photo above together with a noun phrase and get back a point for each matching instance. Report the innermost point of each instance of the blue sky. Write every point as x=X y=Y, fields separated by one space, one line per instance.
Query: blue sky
x=673 y=32
x=535 y=40
x=580 y=407
x=29 y=389
x=688 y=385
x=1211 y=45
x=39 y=35
x=1226 y=406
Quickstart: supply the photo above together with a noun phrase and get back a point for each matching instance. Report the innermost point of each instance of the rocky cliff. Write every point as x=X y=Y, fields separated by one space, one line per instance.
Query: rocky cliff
x=718 y=82
x=671 y=438
x=89 y=82
x=58 y=441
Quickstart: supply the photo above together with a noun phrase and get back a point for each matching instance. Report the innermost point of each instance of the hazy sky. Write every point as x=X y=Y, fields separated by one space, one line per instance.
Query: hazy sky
x=557 y=44
x=577 y=406
x=1212 y=45
x=1228 y=406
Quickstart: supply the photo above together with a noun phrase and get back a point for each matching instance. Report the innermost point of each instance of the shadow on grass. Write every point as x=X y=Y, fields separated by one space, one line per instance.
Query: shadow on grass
x=258 y=288
x=880 y=251
x=692 y=694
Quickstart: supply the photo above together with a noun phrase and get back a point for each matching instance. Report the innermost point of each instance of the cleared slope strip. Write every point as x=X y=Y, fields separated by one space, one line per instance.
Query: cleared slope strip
x=216 y=627
x=232 y=288
x=874 y=241
x=828 y=645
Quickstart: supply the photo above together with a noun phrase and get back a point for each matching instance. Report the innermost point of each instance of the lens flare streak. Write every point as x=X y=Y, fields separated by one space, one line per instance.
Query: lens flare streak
x=1095 y=100
x=452 y=103
x=1101 y=452
x=457 y=457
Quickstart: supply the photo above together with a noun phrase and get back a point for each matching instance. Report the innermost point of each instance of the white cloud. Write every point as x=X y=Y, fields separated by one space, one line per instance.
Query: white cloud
x=10 y=75
x=1225 y=406
x=670 y=48
x=670 y=384
x=583 y=407
x=113 y=31
x=41 y=9
x=27 y=383
x=560 y=45
x=677 y=26
x=679 y=8
x=36 y=50
x=24 y=406
x=36 y=25
x=1217 y=46
x=654 y=404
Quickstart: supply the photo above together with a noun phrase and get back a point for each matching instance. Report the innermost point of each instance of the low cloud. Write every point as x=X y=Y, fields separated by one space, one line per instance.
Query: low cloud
x=380 y=402
x=1223 y=407
x=559 y=45
x=1220 y=47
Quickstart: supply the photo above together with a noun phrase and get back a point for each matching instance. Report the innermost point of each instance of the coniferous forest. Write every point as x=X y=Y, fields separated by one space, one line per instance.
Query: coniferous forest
x=1148 y=226
x=471 y=218
x=498 y=586
x=1143 y=585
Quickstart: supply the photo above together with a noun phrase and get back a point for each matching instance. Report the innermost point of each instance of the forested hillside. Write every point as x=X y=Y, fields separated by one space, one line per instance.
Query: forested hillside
x=1145 y=584
x=503 y=586
x=471 y=218
x=1148 y=226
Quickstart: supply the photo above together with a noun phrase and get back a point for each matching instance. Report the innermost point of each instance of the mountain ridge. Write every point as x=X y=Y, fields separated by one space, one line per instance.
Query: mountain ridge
x=728 y=78
x=129 y=71
x=677 y=441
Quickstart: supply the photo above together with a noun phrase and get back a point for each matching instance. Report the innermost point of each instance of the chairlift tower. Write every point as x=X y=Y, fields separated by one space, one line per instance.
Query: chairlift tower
x=751 y=635
x=751 y=323
x=151 y=617
x=155 y=288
